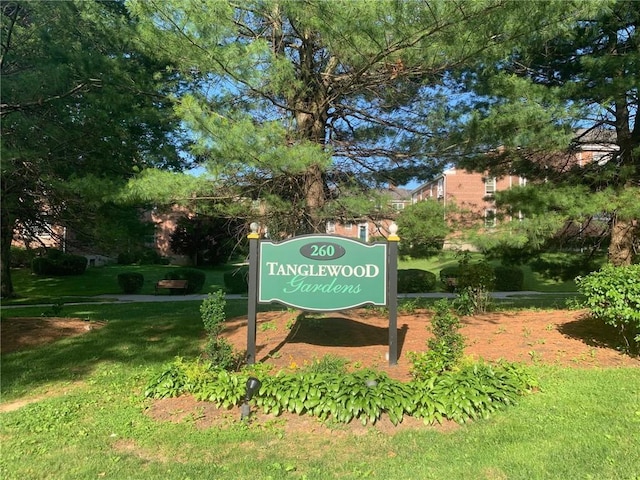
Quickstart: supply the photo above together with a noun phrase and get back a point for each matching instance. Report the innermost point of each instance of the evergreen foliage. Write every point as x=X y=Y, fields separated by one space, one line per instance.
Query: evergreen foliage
x=569 y=83
x=304 y=105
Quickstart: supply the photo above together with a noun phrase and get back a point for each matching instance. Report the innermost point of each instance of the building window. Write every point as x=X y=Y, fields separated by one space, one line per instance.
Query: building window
x=489 y=218
x=331 y=227
x=490 y=186
x=348 y=226
x=522 y=181
x=397 y=205
x=441 y=188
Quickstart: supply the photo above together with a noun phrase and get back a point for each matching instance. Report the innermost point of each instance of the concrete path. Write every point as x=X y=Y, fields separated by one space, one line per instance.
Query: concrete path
x=109 y=299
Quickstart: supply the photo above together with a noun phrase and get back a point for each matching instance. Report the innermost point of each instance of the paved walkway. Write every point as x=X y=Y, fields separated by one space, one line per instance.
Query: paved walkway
x=108 y=299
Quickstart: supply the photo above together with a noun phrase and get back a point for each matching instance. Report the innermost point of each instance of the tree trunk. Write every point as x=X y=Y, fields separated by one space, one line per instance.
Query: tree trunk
x=314 y=190
x=6 y=237
x=624 y=235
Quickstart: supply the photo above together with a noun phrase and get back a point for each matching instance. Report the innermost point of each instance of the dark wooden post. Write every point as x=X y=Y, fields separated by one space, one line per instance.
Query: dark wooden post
x=392 y=292
x=254 y=241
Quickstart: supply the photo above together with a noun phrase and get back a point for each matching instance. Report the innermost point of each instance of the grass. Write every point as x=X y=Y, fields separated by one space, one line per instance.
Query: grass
x=532 y=281
x=91 y=422
x=33 y=289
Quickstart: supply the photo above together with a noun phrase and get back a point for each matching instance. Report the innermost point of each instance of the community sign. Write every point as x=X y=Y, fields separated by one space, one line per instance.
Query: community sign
x=322 y=273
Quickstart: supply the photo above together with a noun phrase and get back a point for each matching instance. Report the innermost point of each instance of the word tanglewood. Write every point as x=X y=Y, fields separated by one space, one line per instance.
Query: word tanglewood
x=310 y=270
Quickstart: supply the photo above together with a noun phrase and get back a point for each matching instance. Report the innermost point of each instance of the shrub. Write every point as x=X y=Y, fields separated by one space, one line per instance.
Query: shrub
x=613 y=295
x=414 y=280
x=21 y=257
x=445 y=347
x=193 y=276
x=237 y=281
x=508 y=278
x=142 y=256
x=130 y=282
x=218 y=350
x=562 y=266
x=212 y=313
x=449 y=277
x=475 y=283
x=59 y=264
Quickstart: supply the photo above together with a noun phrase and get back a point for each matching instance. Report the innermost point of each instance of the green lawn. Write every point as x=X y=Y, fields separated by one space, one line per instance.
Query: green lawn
x=33 y=289
x=90 y=420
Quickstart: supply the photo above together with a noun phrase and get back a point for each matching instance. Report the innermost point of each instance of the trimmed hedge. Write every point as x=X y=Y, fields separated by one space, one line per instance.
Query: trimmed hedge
x=130 y=282
x=414 y=280
x=59 y=264
x=193 y=276
x=237 y=280
x=508 y=278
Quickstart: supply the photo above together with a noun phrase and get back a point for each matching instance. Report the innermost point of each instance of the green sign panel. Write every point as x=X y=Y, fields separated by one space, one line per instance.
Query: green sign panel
x=322 y=273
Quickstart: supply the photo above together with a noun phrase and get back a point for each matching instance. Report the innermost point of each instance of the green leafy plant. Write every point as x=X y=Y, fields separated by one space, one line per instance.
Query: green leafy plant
x=237 y=280
x=326 y=364
x=508 y=278
x=218 y=350
x=414 y=280
x=613 y=296
x=445 y=348
x=130 y=282
x=54 y=310
x=409 y=306
x=474 y=284
x=473 y=391
x=58 y=263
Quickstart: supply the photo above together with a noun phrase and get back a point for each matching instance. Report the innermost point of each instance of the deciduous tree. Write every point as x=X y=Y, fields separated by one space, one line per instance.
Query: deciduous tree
x=79 y=116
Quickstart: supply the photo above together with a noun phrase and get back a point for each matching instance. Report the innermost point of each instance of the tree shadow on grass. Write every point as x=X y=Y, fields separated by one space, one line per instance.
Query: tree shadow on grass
x=137 y=342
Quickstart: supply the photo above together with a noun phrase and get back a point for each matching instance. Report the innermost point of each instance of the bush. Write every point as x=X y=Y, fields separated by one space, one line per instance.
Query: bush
x=21 y=257
x=414 y=280
x=474 y=284
x=449 y=277
x=562 y=266
x=508 y=278
x=237 y=281
x=59 y=264
x=130 y=282
x=445 y=347
x=127 y=258
x=613 y=295
x=193 y=276
x=142 y=256
x=218 y=350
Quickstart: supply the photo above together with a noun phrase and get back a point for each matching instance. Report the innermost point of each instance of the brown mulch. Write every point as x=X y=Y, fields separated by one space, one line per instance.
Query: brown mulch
x=557 y=337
